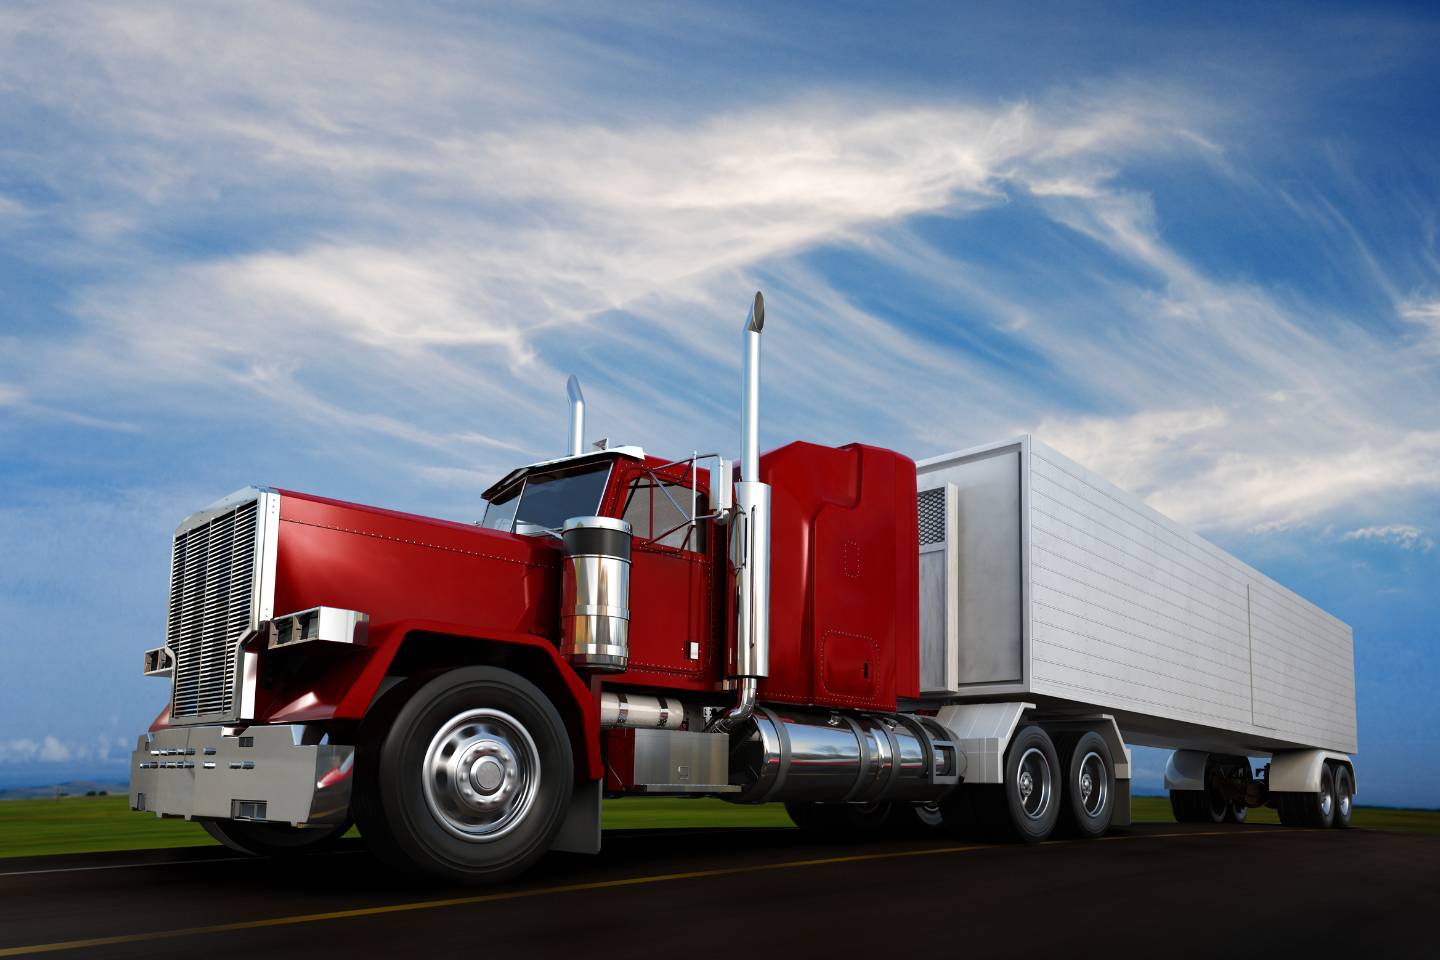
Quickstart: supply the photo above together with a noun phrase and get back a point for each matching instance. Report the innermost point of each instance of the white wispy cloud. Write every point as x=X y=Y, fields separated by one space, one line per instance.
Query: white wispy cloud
x=52 y=749
x=440 y=238
x=1403 y=535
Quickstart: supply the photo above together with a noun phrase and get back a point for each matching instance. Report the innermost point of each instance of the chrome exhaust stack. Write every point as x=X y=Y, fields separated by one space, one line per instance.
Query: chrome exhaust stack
x=751 y=543
x=577 y=416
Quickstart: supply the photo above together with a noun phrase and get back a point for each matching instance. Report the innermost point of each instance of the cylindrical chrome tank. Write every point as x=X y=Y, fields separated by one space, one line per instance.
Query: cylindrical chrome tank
x=595 y=603
x=835 y=758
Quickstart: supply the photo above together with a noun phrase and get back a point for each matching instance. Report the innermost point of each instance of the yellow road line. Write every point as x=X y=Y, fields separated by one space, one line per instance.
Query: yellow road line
x=357 y=912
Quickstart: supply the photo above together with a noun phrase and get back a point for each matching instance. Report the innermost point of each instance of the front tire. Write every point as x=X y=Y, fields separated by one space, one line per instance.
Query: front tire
x=278 y=840
x=471 y=779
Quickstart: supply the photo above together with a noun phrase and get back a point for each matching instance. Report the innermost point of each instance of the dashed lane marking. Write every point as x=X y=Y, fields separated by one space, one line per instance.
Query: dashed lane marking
x=358 y=912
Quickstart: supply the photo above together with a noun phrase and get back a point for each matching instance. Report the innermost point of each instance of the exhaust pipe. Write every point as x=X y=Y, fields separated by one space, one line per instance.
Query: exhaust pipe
x=752 y=508
x=577 y=416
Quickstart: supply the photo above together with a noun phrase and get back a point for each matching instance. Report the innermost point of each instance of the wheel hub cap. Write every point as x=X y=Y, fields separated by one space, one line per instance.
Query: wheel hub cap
x=1033 y=783
x=481 y=774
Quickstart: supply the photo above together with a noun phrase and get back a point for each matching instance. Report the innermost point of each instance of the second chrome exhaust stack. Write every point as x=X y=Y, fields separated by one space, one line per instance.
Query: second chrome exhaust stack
x=577 y=416
x=752 y=538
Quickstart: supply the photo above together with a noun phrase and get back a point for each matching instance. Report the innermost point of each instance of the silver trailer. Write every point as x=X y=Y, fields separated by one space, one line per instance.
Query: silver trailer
x=1049 y=594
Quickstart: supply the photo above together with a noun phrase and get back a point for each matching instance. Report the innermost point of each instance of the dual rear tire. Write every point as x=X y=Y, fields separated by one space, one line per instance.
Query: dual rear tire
x=1048 y=786
x=1330 y=806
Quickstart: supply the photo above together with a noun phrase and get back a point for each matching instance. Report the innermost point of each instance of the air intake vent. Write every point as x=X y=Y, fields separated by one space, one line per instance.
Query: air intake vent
x=930 y=506
x=213 y=604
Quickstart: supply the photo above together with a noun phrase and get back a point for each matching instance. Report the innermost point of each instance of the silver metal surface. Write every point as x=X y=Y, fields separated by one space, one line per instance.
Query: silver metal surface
x=480 y=775
x=792 y=755
x=982 y=732
x=595 y=601
x=641 y=711
x=1093 y=783
x=201 y=771
x=681 y=761
x=722 y=488
x=222 y=587
x=1034 y=783
x=320 y=625
x=1109 y=605
x=1298 y=771
x=940 y=578
x=159 y=662
x=577 y=416
x=752 y=629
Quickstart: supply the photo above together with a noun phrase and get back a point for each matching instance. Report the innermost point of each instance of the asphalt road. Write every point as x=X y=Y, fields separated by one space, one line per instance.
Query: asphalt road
x=1155 y=889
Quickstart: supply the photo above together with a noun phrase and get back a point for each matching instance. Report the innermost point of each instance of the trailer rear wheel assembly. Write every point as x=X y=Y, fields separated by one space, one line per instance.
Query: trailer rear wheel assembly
x=1344 y=795
x=471 y=779
x=1027 y=805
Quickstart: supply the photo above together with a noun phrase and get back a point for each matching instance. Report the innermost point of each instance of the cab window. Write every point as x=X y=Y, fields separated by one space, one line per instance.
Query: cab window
x=654 y=517
x=549 y=499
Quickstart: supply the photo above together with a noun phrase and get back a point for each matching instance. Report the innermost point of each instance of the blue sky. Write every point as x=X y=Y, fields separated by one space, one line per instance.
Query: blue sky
x=356 y=251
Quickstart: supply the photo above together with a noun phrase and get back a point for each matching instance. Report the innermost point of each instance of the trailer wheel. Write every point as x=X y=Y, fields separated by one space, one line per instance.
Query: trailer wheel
x=1237 y=812
x=1028 y=806
x=1344 y=795
x=471 y=778
x=1089 y=791
x=1317 y=810
x=276 y=840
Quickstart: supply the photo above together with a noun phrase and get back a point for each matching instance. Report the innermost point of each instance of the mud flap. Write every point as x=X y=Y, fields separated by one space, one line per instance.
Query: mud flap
x=580 y=833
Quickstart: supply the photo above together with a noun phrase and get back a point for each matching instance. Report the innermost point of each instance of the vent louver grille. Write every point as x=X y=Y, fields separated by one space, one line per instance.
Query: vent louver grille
x=212 y=586
x=930 y=507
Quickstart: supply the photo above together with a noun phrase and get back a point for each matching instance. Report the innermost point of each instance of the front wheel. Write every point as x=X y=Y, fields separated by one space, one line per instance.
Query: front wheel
x=273 y=839
x=471 y=779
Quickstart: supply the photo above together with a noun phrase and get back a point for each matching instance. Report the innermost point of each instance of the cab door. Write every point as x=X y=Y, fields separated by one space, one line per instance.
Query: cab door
x=671 y=627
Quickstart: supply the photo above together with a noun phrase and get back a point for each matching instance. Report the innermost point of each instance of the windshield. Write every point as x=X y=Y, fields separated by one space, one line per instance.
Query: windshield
x=549 y=499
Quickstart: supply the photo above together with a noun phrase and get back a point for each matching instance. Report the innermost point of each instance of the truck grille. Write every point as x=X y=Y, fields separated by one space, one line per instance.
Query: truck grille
x=212 y=605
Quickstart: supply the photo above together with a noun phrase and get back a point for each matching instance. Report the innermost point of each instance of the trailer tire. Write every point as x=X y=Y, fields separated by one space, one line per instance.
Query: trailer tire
x=1188 y=805
x=1088 y=795
x=1027 y=805
x=276 y=840
x=1344 y=796
x=492 y=820
x=1317 y=810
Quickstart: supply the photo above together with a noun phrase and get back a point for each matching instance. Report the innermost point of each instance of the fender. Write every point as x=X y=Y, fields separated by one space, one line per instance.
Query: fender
x=1298 y=771
x=577 y=703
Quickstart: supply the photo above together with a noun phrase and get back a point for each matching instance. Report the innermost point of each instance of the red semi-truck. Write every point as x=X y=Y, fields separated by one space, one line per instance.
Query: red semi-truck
x=868 y=642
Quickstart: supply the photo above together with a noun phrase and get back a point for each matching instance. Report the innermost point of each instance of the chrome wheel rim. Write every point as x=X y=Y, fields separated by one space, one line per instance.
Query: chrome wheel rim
x=1327 y=802
x=1093 y=785
x=1345 y=804
x=481 y=774
x=1033 y=783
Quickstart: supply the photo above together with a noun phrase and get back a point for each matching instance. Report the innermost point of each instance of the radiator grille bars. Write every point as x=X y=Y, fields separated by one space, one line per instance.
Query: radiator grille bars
x=212 y=583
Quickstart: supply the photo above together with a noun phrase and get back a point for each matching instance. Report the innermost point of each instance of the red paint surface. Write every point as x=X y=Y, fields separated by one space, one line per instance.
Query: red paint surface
x=844 y=594
x=844 y=568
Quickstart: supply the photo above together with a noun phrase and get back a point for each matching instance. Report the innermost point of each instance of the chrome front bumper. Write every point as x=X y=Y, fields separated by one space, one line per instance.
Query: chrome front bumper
x=281 y=774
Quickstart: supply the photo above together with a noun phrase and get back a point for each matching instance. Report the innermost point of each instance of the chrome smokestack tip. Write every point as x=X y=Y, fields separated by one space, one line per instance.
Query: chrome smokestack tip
x=756 y=321
x=577 y=416
x=750 y=392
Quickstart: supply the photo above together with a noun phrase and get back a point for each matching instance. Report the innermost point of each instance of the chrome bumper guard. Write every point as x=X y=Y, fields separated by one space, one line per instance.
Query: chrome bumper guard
x=280 y=774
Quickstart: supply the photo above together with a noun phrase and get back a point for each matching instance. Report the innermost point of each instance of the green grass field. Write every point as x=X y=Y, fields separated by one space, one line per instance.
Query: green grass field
x=92 y=824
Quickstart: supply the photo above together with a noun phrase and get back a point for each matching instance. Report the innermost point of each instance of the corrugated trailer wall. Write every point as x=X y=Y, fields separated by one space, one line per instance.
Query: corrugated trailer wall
x=1039 y=578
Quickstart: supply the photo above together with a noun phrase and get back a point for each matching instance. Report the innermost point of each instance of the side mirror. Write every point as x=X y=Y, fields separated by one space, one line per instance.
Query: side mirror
x=722 y=489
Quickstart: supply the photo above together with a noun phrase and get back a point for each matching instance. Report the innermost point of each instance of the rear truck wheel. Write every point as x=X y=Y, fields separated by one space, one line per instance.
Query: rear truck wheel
x=1317 y=810
x=274 y=839
x=470 y=778
x=1344 y=795
x=1088 y=797
x=1028 y=805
